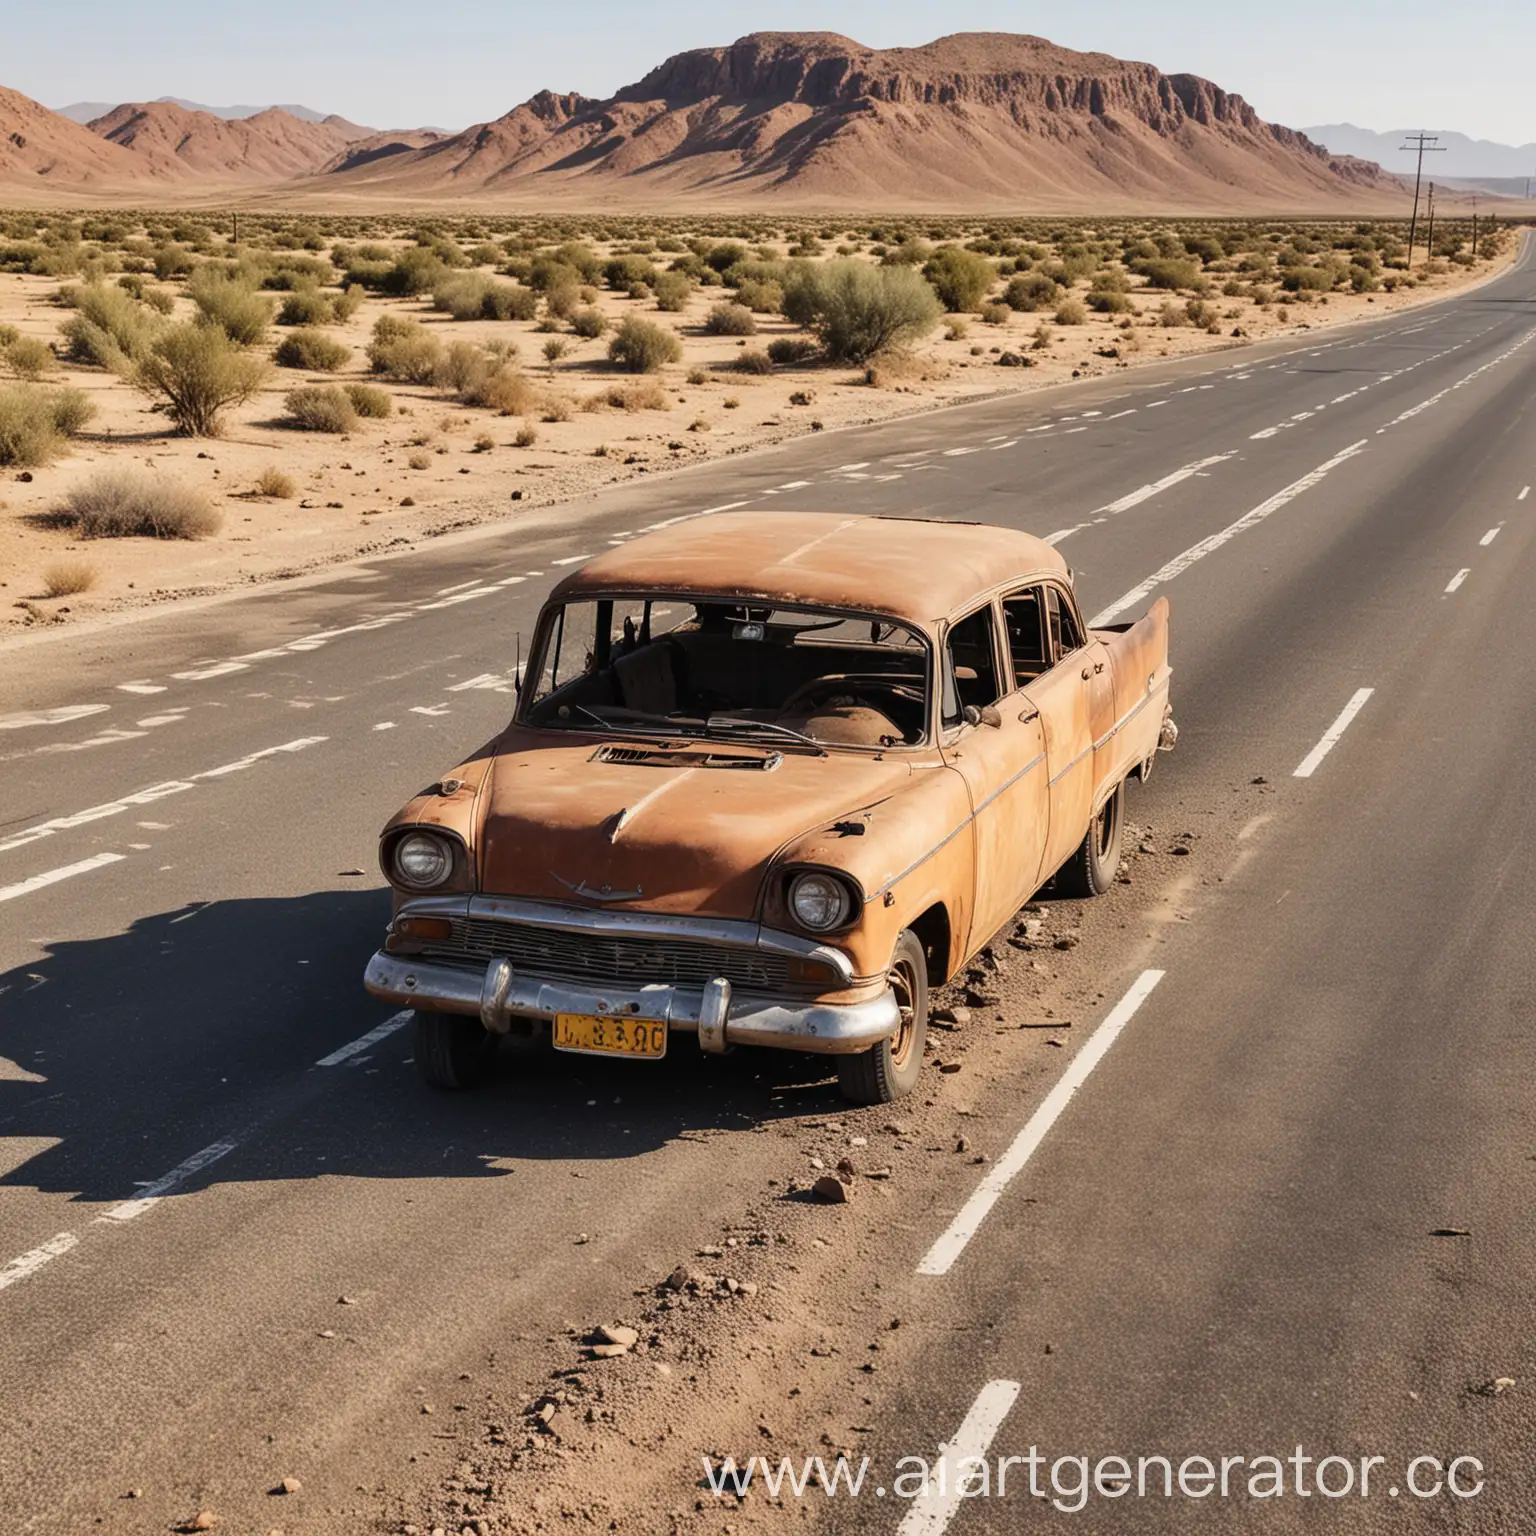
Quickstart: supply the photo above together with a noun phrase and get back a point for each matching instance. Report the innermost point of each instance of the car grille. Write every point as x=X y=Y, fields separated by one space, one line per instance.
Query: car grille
x=629 y=962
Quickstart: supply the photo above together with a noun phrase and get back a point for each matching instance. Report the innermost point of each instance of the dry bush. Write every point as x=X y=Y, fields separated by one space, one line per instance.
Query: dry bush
x=461 y=365
x=29 y=358
x=127 y=503
x=198 y=373
x=753 y=360
x=1031 y=291
x=321 y=408
x=404 y=350
x=763 y=296
x=730 y=320
x=996 y=313
x=788 y=350
x=68 y=578
x=899 y=370
x=476 y=296
x=672 y=291
x=34 y=423
x=589 y=323
x=312 y=349
x=960 y=278
x=649 y=396
x=275 y=483
x=1171 y=316
x=109 y=327
x=503 y=389
x=305 y=306
x=527 y=436
x=419 y=461
x=1071 y=312
x=554 y=349
x=857 y=310
x=370 y=400
x=641 y=346
x=231 y=303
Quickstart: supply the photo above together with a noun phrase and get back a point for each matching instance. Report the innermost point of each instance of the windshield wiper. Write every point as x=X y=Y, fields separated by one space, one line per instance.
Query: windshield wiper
x=730 y=723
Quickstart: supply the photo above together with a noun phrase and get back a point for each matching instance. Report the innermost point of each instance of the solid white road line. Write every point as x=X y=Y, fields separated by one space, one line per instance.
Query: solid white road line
x=30 y=1263
x=932 y=1511
x=1458 y=578
x=1309 y=764
x=949 y=1247
x=1156 y=487
x=1490 y=536
x=1206 y=546
x=53 y=876
x=364 y=1042
x=167 y=1183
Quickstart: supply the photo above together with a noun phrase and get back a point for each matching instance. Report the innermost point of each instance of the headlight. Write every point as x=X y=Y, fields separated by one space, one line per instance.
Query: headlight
x=422 y=861
x=819 y=902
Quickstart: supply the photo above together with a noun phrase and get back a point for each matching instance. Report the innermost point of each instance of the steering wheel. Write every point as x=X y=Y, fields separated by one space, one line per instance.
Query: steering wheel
x=849 y=683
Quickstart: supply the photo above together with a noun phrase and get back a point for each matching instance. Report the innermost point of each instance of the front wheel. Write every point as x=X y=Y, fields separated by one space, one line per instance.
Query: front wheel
x=890 y=1070
x=1091 y=870
x=452 y=1051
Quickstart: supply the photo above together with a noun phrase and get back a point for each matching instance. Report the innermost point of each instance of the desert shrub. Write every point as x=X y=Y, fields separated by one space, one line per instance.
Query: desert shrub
x=129 y=503
x=527 y=436
x=419 y=461
x=672 y=290
x=621 y=272
x=960 y=278
x=232 y=304
x=476 y=296
x=1031 y=291
x=198 y=373
x=1071 y=312
x=369 y=400
x=762 y=297
x=730 y=320
x=346 y=303
x=29 y=358
x=1306 y=279
x=1169 y=273
x=414 y=271
x=72 y=410
x=369 y=275
x=34 y=424
x=1170 y=316
x=1110 y=301
x=791 y=349
x=460 y=365
x=499 y=388
x=857 y=310
x=405 y=350
x=313 y=350
x=646 y=396
x=172 y=261
x=68 y=578
x=1198 y=312
x=996 y=313
x=275 y=483
x=161 y=300
x=109 y=327
x=641 y=346
x=753 y=360
x=589 y=323
x=321 y=408
x=8 y=334
x=725 y=255
x=561 y=299
x=554 y=349
x=305 y=306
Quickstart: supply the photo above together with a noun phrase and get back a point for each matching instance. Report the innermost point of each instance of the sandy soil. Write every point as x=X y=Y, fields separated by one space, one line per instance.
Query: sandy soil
x=437 y=466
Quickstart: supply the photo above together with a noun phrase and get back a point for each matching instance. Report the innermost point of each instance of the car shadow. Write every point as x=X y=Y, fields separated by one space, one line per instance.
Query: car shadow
x=124 y=1055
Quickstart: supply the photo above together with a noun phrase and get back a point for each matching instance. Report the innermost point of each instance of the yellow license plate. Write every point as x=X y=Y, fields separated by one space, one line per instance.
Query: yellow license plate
x=611 y=1036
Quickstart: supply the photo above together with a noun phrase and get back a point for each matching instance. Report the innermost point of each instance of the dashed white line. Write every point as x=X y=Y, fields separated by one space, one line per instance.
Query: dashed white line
x=29 y=1263
x=1458 y=578
x=365 y=1042
x=1156 y=487
x=935 y=1506
x=213 y=669
x=1309 y=764
x=1490 y=536
x=166 y=1184
x=1523 y=494
x=949 y=1247
x=571 y=560
x=1206 y=546
x=60 y=716
x=53 y=876
x=141 y=687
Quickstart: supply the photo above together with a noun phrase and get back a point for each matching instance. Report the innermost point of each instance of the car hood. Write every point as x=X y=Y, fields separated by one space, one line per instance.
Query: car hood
x=691 y=830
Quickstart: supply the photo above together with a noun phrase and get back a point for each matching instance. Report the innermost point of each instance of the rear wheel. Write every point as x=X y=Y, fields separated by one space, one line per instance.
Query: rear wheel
x=452 y=1051
x=891 y=1069
x=1092 y=869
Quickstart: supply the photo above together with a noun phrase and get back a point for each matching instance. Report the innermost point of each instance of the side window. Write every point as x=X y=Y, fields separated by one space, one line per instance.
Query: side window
x=1066 y=635
x=970 y=665
x=1024 y=618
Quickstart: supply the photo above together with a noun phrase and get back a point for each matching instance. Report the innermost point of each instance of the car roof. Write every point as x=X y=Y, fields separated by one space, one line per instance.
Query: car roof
x=915 y=569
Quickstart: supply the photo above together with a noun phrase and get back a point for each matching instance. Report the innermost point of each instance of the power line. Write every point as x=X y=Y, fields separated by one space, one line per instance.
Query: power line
x=1425 y=144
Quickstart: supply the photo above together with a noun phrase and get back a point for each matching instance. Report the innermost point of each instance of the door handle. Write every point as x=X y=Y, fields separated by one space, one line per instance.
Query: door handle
x=1087 y=673
x=1098 y=666
x=1028 y=715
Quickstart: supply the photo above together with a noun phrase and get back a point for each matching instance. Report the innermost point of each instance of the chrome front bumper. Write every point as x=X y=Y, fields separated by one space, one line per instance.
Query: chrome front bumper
x=719 y=1017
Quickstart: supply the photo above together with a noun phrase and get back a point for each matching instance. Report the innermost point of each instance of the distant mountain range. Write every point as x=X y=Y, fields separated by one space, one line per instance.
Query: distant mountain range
x=88 y=111
x=1464 y=158
x=814 y=120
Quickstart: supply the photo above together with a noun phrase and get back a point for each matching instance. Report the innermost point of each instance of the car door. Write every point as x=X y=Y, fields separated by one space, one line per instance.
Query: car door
x=1072 y=698
x=994 y=739
x=1071 y=637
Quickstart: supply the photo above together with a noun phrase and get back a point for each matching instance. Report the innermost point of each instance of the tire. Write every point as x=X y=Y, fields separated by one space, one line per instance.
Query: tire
x=890 y=1070
x=452 y=1051
x=1092 y=869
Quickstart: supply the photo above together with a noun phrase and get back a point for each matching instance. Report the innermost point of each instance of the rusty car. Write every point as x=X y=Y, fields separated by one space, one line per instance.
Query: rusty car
x=771 y=777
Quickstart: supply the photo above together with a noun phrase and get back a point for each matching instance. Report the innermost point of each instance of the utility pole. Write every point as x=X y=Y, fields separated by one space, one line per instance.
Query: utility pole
x=1474 y=226
x=1425 y=144
x=1429 y=240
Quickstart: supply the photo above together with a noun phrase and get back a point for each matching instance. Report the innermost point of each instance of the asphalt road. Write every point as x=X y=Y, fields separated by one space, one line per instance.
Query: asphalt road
x=1318 y=1046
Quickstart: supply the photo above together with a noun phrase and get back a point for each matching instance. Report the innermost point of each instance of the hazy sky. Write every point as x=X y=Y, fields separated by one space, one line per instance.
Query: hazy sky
x=1464 y=66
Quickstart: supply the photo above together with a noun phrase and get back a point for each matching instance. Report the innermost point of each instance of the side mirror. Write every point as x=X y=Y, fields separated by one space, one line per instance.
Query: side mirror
x=987 y=715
